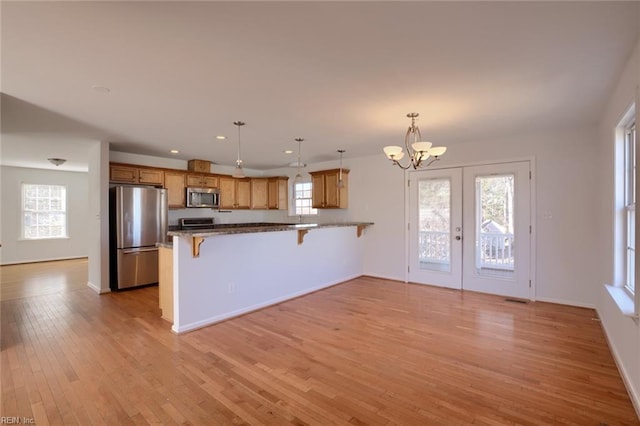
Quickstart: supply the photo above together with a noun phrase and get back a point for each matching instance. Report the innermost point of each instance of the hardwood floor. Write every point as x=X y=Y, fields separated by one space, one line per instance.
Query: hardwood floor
x=369 y=351
x=34 y=279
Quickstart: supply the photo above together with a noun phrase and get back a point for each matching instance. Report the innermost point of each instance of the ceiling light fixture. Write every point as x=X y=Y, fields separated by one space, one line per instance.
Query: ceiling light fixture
x=220 y=137
x=418 y=150
x=174 y=151
x=101 y=89
x=299 y=175
x=57 y=161
x=340 y=182
x=238 y=172
x=288 y=151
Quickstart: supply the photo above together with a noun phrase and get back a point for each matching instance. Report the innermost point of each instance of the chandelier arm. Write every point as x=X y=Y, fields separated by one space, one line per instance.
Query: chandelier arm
x=433 y=160
x=397 y=163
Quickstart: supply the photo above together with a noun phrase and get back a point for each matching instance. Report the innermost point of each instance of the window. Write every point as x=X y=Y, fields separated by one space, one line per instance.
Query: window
x=630 y=205
x=44 y=211
x=302 y=198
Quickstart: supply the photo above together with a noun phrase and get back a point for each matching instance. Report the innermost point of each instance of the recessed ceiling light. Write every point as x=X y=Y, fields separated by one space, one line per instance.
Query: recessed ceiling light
x=288 y=151
x=174 y=151
x=101 y=89
x=221 y=137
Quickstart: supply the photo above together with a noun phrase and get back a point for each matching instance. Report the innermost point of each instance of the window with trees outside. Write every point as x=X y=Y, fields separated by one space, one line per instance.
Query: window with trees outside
x=302 y=193
x=630 y=205
x=44 y=211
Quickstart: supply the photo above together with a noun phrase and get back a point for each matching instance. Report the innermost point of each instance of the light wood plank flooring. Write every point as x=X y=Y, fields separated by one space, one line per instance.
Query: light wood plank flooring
x=35 y=279
x=369 y=351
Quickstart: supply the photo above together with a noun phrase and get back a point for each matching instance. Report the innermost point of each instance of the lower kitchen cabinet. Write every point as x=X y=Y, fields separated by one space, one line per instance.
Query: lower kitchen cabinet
x=165 y=282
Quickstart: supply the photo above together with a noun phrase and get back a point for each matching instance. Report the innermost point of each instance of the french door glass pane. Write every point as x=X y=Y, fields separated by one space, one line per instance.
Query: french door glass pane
x=434 y=219
x=495 y=242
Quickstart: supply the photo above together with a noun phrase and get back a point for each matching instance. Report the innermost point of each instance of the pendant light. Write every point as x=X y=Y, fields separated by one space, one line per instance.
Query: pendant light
x=298 y=177
x=238 y=172
x=340 y=181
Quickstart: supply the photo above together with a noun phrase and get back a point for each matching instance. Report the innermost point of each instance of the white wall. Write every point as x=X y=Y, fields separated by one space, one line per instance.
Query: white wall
x=242 y=272
x=623 y=332
x=17 y=250
x=567 y=266
x=98 y=217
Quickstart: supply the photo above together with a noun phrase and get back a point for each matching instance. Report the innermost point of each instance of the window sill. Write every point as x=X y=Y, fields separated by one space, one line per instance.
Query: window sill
x=44 y=239
x=623 y=300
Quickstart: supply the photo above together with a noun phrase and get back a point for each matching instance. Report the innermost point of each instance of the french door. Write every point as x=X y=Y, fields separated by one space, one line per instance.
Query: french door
x=469 y=228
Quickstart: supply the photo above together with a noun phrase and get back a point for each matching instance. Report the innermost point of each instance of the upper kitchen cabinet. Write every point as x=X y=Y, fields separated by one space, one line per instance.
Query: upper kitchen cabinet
x=235 y=193
x=175 y=183
x=326 y=191
x=278 y=196
x=259 y=193
x=202 y=181
x=124 y=173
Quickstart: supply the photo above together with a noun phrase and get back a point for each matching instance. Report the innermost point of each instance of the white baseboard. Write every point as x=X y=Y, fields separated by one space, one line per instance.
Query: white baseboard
x=96 y=288
x=634 y=395
x=565 y=302
x=53 y=259
x=227 y=315
x=384 y=277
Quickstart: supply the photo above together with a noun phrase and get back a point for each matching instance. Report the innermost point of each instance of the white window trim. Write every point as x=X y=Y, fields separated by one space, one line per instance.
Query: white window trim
x=22 y=211
x=628 y=303
x=292 y=205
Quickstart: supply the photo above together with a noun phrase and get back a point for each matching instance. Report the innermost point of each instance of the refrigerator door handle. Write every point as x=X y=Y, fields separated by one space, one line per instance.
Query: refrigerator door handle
x=134 y=251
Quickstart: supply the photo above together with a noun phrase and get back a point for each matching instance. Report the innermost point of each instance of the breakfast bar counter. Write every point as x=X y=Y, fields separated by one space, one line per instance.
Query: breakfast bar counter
x=198 y=235
x=230 y=270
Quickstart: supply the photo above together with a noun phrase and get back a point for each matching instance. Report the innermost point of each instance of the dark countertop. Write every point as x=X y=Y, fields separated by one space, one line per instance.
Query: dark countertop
x=248 y=228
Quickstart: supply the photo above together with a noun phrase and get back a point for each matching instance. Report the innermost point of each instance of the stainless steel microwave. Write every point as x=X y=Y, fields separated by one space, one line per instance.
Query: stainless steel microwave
x=203 y=197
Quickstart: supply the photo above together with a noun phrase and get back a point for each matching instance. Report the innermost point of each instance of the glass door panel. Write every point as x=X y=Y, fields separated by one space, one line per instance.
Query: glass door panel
x=497 y=224
x=494 y=225
x=434 y=214
x=435 y=229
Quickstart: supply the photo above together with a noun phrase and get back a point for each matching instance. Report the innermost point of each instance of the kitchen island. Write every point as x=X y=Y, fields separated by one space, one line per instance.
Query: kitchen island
x=230 y=270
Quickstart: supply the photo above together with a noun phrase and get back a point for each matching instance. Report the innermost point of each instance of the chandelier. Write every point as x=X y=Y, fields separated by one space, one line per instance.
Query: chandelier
x=418 y=150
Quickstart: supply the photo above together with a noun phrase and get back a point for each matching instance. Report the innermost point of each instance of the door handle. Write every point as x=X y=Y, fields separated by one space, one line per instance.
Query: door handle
x=139 y=251
x=458 y=237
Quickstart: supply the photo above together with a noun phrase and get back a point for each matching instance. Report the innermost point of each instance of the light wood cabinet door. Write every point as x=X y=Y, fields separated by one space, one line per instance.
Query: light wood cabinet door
x=123 y=174
x=278 y=197
x=259 y=193
x=331 y=194
x=210 y=181
x=194 y=181
x=202 y=181
x=326 y=191
x=175 y=184
x=243 y=193
x=227 y=192
x=317 y=194
x=165 y=282
x=151 y=177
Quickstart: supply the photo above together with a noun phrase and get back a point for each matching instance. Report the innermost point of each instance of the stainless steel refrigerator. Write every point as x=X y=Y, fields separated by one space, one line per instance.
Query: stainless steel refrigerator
x=137 y=222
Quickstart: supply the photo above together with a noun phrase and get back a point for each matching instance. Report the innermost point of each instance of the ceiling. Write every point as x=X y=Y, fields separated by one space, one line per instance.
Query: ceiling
x=342 y=75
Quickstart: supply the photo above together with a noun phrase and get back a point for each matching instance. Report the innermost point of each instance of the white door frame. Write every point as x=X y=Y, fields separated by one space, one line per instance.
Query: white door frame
x=533 y=214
